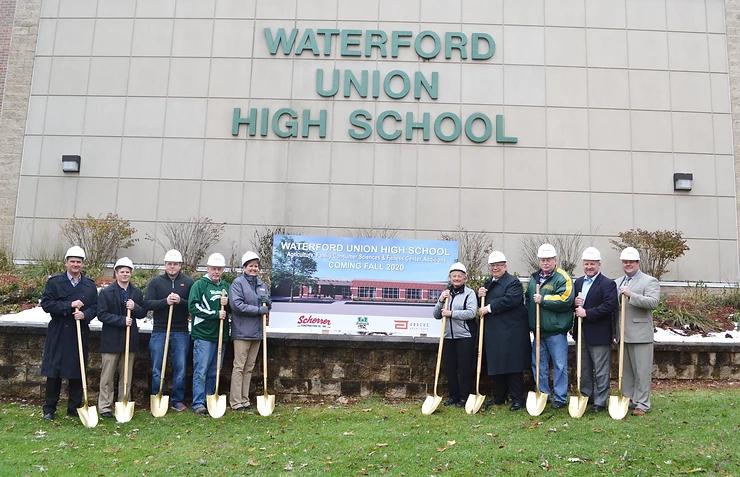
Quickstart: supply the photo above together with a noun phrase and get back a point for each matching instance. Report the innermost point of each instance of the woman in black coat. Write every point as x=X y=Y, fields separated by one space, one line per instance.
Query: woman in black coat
x=507 y=345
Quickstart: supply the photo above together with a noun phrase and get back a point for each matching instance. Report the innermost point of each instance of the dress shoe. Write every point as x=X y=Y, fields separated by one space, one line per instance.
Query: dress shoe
x=48 y=416
x=460 y=403
x=517 y=405
x=487 y=403
x=638 y=412
x=558 y=405
x=597 y=408
x=178 y=406
x=450 y=401
x=201 y=411
x=106 y=414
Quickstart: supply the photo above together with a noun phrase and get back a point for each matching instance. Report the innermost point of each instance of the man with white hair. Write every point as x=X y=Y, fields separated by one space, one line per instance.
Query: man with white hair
x=205 y=301
x=596 y=300
x=170 y=289
x=555 y=299
x=642 y=293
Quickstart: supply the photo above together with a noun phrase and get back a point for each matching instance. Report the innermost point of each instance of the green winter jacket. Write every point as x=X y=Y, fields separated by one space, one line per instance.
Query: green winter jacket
x=204 y=303
x=556 y=309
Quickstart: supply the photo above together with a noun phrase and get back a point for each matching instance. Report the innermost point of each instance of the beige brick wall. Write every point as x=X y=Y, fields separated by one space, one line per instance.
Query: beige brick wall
x=14 y=108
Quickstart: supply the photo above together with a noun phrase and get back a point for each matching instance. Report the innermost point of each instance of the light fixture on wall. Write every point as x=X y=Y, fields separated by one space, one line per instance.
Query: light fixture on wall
x=683 y=181
x=70 y=163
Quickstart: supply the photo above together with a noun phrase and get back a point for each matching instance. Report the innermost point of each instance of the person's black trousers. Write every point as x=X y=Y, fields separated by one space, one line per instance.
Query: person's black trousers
x=459 y=366
x=508 y=385
x=54 y=387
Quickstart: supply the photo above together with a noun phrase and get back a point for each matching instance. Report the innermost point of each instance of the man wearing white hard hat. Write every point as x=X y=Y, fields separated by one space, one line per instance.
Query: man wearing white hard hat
x=204 y=302
x=170 y=289
x=506 y=336
x=642 y=293
x=115 y=301
x=249 y=300
x=459 y=344
x=555 y=299
x=67 y=297
x=596 y=300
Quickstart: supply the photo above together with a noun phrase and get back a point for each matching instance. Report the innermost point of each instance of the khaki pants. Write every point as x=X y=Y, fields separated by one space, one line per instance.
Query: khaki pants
x=245 y=355
x=110 y=363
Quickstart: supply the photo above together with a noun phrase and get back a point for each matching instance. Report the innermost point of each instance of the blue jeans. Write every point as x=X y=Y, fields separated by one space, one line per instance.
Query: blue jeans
x=556 y=348
x=204 y=370
x=178 y=354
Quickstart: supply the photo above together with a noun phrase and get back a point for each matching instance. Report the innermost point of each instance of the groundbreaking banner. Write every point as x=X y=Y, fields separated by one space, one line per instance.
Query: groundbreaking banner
x=366 y=286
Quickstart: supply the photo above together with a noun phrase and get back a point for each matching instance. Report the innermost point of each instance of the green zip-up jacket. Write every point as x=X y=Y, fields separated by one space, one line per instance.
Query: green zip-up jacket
x=204 y=303
x=556 y=308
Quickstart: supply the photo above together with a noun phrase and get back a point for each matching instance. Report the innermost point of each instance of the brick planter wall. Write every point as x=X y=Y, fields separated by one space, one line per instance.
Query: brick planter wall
x=309 y=367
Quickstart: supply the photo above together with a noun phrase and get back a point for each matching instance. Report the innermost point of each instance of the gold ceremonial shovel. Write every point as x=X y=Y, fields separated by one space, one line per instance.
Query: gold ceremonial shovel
x=266 y=402
x=536 y=401
x=475 y=401
x=158 y=403
x=124 y=411
x=431 y=403
x=88 y=414
x=217 y=403
x=619 y=405
x=577 y=404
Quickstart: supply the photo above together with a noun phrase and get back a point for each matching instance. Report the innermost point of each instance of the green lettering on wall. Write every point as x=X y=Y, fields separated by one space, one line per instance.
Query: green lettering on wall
x=381 y=130
x=404 y=80
x=475 y=43
x=347 y=39
x=456 y=40
x=308 y=123
x=456 y=127
x=435 y=41
x=420 y=82
x=424 y=125
x=327 y=93
x=280 y=40
x=250 y=121
x=488 y=128
x=501 y=136
x=328 y=34
x=350 y=81
x=307 y=42
x=375 y=39
x=291 y=125
x=399 y=39
x=360 y=118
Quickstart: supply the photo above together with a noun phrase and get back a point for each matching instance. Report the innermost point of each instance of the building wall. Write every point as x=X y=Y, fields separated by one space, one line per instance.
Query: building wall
x=608 y=99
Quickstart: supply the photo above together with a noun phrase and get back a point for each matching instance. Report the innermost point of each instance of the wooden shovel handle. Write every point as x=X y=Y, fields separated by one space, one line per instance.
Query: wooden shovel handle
x=537 y=340
x=125 y=359
x=220 y=342
x=166 y=348
x=621 y=343
x=264 y=350
x=440 y=347
x=82 y=360
x=480 y=349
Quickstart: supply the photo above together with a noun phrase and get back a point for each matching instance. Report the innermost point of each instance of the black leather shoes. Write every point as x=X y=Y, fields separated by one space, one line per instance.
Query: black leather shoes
x=596 y=408
x=106 y=414
x=558 y=405
x=450 y=402
x=516 y=405
x=48 y=416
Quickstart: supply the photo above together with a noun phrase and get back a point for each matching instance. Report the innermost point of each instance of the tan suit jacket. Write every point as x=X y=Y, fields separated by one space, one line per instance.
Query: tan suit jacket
x=643 y=299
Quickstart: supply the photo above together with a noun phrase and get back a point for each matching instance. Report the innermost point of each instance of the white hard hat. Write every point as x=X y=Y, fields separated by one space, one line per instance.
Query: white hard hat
x=496 y=257
x=630 y=253
x=124 y=262
x=216 y=260
x=75 y=251
x=591 y=253
x=248 y=257
x=458 y=267
x=546 y=251
x=173 y=256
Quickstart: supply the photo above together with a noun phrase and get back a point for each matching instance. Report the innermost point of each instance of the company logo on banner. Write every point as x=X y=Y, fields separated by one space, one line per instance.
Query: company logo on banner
x=341 y=285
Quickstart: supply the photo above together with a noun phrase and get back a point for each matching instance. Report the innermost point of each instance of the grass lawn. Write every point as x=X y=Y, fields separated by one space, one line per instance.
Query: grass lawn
x=688 y=432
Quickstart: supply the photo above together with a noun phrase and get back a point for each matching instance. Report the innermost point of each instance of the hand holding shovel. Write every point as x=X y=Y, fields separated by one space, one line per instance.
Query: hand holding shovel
x=88 y=414
x=124 y=410
x=431 y=403
x=536 y=401
x=266 y=402
x=217 y=403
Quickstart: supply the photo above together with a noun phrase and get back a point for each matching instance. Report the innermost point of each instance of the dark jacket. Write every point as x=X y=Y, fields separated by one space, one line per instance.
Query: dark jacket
x=156 y=299
x=245 y=300
x=112 y=313
x=61 y=356
x=506 y=331
x=556 y=309
x=600 y=304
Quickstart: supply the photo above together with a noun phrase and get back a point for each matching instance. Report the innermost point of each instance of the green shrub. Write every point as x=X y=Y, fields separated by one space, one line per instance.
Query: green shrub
x=6 y=261
x=657 y=249
x=142 y=276
x=100 y=237
x=17 y=290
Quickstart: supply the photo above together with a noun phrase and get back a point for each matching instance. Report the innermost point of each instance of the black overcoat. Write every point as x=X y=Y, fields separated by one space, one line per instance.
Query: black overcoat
x=61 y=357
x=112 y=313
x=506 y=339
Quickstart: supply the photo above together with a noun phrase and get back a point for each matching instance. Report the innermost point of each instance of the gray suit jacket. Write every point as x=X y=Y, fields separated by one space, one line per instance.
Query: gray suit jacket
x=638 y=320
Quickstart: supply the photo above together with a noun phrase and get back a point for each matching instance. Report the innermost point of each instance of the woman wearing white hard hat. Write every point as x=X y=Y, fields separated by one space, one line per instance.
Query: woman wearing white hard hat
x=506 y=335
x=114 y=302
x=249 y=299
x=459 y=345
x=205 y=302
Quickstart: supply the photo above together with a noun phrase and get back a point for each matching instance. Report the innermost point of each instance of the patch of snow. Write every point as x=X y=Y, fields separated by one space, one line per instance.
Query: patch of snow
x=37 y=316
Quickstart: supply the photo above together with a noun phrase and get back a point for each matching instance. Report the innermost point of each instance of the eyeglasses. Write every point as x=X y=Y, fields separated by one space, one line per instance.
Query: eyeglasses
x=497 y=265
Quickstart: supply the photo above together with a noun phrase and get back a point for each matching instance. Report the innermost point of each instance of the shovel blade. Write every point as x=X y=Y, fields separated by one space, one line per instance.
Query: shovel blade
x=618 y=406
x=159 y=404
x=266 y=404
x=216 y=405
x=431 y=403
x=536 y=403
x=124 y=411
x=88 y=415
x=474 y=403
x=577 y=406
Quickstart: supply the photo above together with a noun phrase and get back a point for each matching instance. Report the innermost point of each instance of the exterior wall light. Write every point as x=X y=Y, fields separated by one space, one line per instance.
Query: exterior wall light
x=71 y=164
x=683 y=181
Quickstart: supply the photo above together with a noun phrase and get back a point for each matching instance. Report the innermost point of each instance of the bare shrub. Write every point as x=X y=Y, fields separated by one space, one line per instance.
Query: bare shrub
x=262 y=246
x=473 y=252
x=384 y=232
x=192 y=238
x=568 y=247
x=100 y=237
x=657 y=249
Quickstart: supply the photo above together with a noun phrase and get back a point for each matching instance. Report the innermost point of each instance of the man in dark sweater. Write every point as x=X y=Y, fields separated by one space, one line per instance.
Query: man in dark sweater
x=171 y=289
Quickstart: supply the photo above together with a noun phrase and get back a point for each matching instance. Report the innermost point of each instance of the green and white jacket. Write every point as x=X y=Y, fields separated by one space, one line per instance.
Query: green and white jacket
x=204 y=303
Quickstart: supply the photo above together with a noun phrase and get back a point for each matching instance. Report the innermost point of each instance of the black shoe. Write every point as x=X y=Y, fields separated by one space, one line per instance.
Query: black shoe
x=48 y=416
x=106 y=414
x=558 y=405
x=460 y=403
x=499 y=402
x=487 y=403
x=450 y=402
x=516 y=406
x=596 y=408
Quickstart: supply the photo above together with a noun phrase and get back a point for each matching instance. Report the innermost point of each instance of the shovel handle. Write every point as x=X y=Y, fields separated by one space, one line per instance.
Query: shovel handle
x=537 y=341
x=220 y=344
x=264 y=351
x=440 y=347
x=480 y=349
x=166 y=348
x=125 y=359
x=82 y=359
x=621 y=344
